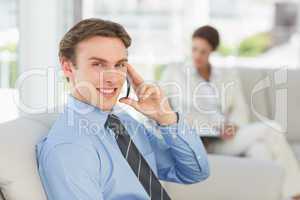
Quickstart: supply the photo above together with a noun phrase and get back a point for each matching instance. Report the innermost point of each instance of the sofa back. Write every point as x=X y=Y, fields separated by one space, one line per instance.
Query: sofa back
x=275 y=94
x=19 y=177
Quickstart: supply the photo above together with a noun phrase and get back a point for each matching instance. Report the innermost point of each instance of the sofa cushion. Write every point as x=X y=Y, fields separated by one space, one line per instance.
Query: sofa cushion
x=19 y=178
x=233 y=178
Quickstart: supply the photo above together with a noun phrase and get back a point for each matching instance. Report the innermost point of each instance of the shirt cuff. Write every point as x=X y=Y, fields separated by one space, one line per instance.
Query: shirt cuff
x=181 y=135
x=180 y=129
x=177 y=115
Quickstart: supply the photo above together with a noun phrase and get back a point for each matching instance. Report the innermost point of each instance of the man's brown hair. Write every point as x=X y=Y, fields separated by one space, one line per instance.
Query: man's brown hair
x=86 y=29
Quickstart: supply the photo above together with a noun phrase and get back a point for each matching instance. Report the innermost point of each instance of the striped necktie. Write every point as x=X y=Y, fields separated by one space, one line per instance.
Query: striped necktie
x=136 y=161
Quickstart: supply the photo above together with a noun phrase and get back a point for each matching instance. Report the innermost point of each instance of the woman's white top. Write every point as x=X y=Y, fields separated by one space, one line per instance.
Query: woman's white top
x=205 y=104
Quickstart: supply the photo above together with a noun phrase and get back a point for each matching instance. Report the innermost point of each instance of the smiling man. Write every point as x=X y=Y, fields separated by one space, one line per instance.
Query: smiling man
x=96 y=151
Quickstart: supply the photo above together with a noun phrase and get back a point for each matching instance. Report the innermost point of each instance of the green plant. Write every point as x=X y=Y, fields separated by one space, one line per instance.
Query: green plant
x=13 y=72
x=158 y=71
x=225 y=50
x=10 y=47
x=255 y=45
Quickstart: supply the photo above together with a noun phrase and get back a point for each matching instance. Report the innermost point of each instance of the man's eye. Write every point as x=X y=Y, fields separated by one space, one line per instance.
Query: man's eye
x=121 y=65
x=97 y=64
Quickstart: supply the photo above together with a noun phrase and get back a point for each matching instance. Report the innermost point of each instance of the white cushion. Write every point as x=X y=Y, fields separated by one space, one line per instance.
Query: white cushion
x=233 y=178
x=19 y=179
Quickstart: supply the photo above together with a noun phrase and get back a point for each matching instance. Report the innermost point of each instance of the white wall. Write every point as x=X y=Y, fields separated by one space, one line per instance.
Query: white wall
x=41 y=25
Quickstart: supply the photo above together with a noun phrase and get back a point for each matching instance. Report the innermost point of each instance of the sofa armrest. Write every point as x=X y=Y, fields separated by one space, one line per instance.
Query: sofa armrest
x=234 y=178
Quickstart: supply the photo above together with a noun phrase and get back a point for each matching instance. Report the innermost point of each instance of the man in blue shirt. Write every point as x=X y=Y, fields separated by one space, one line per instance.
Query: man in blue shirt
x=96 y=151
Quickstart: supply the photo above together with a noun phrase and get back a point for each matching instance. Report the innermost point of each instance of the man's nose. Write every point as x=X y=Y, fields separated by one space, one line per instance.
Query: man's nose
x=112 y=76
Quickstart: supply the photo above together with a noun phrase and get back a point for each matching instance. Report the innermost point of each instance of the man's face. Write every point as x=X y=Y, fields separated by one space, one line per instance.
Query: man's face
x=100 y=71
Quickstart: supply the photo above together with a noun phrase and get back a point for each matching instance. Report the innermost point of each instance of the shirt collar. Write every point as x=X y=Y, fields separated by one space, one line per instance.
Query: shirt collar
x=87 y=110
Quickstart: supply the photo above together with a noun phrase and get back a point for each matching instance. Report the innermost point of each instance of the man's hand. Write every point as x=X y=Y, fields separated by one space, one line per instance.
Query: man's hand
x=228 y=131
x=151 y=100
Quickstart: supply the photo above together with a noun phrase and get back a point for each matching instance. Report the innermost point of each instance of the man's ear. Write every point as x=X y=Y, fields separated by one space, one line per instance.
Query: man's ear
x=67 y=67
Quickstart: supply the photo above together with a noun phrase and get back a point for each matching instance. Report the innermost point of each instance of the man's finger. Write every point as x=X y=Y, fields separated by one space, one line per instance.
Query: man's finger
x=136 y=79
x=141 y=89
x=131 y=102
x=150 y=91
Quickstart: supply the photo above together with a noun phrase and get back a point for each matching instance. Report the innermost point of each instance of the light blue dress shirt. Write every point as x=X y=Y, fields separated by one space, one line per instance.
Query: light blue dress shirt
x=80 y=160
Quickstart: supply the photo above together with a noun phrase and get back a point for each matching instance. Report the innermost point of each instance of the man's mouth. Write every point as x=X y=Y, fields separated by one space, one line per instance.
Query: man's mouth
x=107 y=92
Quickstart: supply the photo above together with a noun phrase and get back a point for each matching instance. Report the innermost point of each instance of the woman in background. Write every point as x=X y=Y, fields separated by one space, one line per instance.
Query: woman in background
x=214 y=101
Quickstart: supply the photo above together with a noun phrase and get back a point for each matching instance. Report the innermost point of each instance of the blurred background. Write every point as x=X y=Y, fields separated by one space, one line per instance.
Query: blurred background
x=255 y=33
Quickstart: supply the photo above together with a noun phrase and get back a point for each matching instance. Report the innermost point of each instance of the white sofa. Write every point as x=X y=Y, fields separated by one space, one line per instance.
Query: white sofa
x=243 y=178
x=231 y=178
